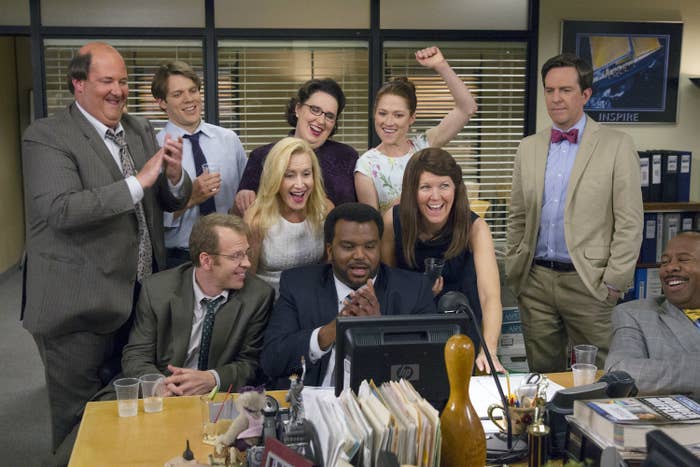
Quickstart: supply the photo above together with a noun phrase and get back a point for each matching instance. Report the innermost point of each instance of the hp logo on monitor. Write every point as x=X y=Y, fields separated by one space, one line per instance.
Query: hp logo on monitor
x=411 y=372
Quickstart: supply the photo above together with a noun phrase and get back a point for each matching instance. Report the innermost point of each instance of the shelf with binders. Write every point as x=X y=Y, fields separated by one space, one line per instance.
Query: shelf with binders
x=662 y=221
x=672 y=207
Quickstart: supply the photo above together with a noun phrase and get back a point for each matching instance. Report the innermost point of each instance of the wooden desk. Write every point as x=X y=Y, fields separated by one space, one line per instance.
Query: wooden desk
x=150 y=439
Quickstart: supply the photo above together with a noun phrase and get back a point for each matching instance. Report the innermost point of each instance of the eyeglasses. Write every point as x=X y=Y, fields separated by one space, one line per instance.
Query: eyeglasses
x=318 y=111
x=237 y=257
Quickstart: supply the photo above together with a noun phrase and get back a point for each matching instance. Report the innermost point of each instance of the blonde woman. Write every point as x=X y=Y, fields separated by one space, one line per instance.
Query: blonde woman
x=286 y=219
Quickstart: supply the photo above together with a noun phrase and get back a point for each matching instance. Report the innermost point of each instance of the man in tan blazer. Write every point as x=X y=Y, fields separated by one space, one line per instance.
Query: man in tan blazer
x=96 y=184
x=575 y=224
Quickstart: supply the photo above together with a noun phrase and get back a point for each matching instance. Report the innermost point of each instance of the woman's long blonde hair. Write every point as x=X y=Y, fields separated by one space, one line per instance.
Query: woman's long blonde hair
x=265 y=211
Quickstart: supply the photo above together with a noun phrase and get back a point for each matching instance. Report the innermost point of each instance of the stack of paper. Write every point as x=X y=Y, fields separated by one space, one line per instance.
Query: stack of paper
x=392 y=417
x=483 y=391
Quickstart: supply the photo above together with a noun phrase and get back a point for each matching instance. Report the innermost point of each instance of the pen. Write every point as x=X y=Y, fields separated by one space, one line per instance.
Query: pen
x=508 y=384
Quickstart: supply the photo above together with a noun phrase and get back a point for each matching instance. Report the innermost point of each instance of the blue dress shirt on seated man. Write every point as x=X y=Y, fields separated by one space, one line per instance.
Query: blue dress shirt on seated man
x=354 y=283
x=176 y=88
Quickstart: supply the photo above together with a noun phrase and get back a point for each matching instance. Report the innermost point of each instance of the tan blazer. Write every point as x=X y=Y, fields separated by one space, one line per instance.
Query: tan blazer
x=603 y=214
x=82 y=232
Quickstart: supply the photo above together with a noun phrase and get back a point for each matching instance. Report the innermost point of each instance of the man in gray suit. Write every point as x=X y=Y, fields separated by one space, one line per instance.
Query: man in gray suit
x=96 y=184
x=657 y=341
x=172 y=321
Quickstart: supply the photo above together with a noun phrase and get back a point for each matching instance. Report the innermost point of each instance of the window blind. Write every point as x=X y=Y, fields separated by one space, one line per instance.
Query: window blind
x=486 y=147
x=257 y=79
x=142 y=58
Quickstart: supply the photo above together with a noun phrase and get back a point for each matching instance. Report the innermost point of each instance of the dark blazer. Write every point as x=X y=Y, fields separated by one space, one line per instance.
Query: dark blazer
x=163 y=324
x=308 y=299
x=82 y=231
x=657 y=345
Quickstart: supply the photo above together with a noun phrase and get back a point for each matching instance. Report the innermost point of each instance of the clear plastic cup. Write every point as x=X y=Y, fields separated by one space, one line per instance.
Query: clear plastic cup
x=127 y=396
x=584 y=373
x=153 y=389
x=585 y=353
x=433 y=268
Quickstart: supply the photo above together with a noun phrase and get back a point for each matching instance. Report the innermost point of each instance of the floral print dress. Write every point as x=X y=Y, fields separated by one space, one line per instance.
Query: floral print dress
x=387 y=172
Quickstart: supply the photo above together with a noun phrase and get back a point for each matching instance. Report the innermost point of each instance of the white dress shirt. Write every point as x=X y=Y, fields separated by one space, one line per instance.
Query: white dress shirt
x=192 y=356
x=135 y=188
x=315 y=351
x=222 y=148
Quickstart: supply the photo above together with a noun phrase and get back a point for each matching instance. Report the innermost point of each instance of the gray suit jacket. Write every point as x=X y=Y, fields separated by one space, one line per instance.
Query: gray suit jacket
x=658 y=345
x=82 y=232
x=163 y=324
x=602 y=216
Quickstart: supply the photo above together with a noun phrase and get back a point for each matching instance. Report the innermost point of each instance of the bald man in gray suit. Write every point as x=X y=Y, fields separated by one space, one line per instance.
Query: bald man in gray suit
x=96 y=184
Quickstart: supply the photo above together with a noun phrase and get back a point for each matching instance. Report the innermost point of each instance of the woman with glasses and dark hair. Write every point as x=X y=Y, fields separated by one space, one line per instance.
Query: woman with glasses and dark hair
x=286 y=218
x=314 y=114
x=379 y=171
x=434 y=220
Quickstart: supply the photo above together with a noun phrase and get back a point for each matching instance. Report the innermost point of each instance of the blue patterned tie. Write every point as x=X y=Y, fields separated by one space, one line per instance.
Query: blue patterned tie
x=209 y=205
x=207 y=328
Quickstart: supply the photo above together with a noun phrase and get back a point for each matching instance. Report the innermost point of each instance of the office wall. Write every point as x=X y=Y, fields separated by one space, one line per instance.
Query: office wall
x=682 y=135
x=11 y=207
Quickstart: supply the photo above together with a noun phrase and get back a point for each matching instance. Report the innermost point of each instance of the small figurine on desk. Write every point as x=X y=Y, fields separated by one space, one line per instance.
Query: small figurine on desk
x=246 y=429
x=185 y=460
x=296 y=403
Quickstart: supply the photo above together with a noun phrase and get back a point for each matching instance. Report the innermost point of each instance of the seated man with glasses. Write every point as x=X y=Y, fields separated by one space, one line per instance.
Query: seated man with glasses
x=201 y=324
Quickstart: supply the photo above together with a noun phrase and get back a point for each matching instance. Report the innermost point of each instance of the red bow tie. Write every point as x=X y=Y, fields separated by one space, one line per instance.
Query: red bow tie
x=558 y=136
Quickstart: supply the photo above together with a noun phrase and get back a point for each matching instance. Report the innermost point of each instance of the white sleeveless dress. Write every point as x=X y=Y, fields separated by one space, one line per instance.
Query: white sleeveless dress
x=287 y=245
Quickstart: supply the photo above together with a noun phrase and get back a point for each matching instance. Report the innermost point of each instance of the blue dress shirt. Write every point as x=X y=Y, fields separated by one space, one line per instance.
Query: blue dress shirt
x=551 y=243
x=222 y=148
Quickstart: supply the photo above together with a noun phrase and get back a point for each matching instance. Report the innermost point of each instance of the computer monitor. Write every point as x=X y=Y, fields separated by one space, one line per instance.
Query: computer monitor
x=384 y=348
x=663 y=451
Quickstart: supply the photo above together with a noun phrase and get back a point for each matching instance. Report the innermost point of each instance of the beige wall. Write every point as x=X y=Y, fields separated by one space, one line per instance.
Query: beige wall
x=11 y=207
x=680 y=136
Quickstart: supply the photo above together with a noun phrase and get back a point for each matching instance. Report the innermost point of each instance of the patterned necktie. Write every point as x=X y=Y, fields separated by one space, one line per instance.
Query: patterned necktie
x=209 y=205
x=694 y=315
x=557 y=136
x=144 y=264
x=212 y=307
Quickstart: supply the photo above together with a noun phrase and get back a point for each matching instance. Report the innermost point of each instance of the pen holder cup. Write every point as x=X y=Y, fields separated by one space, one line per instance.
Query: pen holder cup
x=520 y=418
x=215 y=418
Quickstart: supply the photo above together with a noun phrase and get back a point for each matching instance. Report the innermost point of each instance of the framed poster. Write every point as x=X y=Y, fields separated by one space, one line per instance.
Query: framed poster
x=635 y=68
x=276 y=454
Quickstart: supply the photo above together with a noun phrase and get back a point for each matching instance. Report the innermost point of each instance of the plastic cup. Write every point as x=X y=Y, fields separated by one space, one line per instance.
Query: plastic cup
x=210 y=168
x=127 y=396
x=527 y=393
x=433 y=268
x=584 y=353
x=215 y=420
x=584 y=373
x=153 y=389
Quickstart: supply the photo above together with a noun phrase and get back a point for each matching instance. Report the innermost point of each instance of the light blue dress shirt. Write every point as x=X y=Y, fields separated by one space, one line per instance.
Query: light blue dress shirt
x=551 y=243
x=223 y=149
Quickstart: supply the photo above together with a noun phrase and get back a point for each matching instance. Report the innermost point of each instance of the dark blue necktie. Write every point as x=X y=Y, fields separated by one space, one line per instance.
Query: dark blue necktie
x=209 y=205
x=207 y=328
